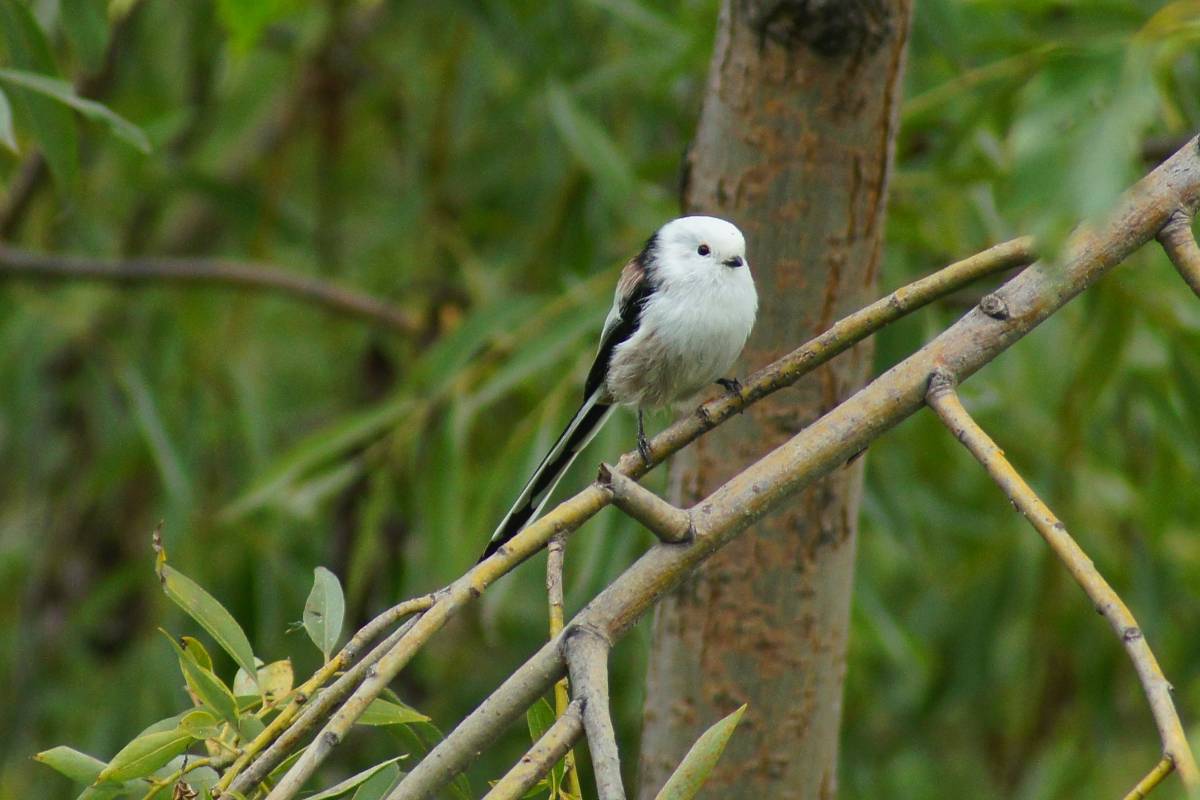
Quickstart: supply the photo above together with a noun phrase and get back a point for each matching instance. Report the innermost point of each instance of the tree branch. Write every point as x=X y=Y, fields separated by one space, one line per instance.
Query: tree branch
x=670 y=524
x=541 y=758
x=283 y=734
x=964 y=348
x=562 y=697
x=17 y=263
x=1177 y=238
x=586 y=654
x=1153 y=778
x=943 y=399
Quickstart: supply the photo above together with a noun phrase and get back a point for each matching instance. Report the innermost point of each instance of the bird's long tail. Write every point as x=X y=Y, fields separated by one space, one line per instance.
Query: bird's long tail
x=590 y=417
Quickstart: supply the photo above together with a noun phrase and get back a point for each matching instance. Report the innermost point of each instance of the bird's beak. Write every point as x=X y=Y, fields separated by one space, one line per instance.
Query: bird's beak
x=734 y=262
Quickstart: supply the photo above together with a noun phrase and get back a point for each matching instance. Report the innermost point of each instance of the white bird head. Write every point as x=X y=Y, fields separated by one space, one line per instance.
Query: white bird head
x=695 y=247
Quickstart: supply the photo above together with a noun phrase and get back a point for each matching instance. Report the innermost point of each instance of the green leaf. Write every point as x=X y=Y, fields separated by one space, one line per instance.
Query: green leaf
x=440 y=366
x=201 y=724
x=315 y=450
x=378 y=785
x=246 y=19
x=385 y=712
x=693 y=771
x=84 y=23
x=165 y=724
x=64 y=93
x=324 y=610
x=591 y=146
x=79 y=767
x=108 y=791
x=145 y=754
x=420 y=738
x=202 y=780
x=205 y=685
x=274 y=681
x=249 y=727
x=197 y=650
x=354 y=780
x=212 y=616
x=539 y=718
x=8 y=136
x=50 y=124
x=285 y=765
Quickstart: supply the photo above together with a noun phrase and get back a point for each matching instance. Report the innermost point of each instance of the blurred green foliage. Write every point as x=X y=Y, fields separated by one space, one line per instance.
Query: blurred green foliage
x=487 y=165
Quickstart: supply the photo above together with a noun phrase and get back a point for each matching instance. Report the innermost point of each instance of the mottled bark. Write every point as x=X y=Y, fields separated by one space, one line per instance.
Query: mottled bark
x=794 y=145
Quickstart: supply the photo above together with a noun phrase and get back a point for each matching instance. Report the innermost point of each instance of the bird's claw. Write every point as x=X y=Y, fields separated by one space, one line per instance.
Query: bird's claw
x=731 y=385
x=643 y=448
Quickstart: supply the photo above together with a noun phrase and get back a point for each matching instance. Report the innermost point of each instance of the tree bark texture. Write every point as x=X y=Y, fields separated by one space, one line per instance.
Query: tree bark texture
x=794 y=146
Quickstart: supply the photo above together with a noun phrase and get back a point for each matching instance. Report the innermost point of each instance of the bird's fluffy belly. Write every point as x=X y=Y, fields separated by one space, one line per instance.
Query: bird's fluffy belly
x=678 y=350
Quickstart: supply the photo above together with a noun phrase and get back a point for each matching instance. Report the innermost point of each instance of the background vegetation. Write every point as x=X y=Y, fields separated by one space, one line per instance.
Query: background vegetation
x=487 y=165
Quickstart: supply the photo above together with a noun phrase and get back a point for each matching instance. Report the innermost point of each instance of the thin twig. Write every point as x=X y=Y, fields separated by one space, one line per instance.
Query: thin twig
x=17 y=263
x=283 y=734
x=562 y=698
x=368 y=680
x=669 y=523
x=586 y=653
x=157 y=786
x=1178 y=239
x=944 y=400
x=1153 y=778
x=373 y=629
x=542 y=757
x=826 y=444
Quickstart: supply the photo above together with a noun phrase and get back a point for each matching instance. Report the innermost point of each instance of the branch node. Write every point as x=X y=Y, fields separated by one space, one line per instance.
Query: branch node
x=1179 y=242
x=941 y=383
x=994 y=306
x=581 y=630
x=670 y=524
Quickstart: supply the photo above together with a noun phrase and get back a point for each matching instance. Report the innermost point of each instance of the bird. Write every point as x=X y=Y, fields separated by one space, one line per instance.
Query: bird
x=682 y=312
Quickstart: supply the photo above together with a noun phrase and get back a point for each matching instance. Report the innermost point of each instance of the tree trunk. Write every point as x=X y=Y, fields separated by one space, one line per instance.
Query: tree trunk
x=794 y=146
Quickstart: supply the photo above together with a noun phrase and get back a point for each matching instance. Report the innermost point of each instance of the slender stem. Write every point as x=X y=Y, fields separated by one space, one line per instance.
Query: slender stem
x=554 y=594
x=586 y=653
x=1178 y=239
x=344 y=658
x=17 y=263
x=944 y=400
x=308 y=712
x=1153 y=778
x=176 y=776
x=541 y=758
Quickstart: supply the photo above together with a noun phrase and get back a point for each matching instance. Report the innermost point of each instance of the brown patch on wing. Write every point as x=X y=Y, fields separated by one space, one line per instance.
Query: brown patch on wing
x=632 y=276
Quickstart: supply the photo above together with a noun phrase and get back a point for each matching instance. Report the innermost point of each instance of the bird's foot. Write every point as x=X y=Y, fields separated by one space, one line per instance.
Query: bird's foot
x=731 y=385
x=643 y=447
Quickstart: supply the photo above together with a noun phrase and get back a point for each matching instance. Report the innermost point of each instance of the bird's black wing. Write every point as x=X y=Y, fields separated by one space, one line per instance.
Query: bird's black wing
x=633 y=290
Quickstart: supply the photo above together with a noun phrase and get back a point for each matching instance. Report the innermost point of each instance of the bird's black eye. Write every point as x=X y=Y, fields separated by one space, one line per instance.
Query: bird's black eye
x=703 y=250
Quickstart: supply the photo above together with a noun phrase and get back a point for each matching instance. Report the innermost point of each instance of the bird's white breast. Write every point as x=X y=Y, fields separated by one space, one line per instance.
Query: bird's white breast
x=690 y=334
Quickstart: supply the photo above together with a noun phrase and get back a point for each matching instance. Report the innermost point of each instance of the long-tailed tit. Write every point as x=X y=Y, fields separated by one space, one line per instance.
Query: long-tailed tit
x=683 y=310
